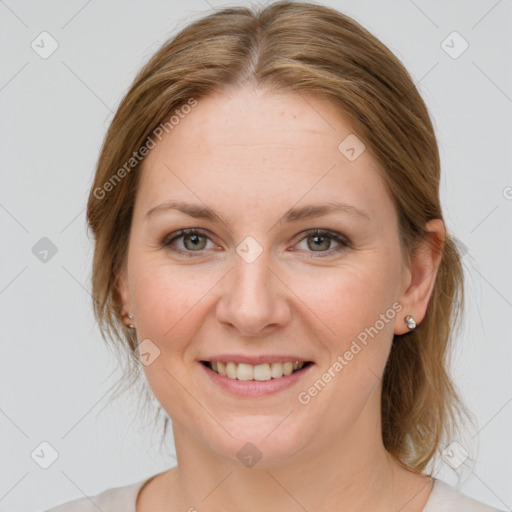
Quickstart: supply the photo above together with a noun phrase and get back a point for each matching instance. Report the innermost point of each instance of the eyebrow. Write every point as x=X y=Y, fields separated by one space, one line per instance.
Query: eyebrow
x=292 y=215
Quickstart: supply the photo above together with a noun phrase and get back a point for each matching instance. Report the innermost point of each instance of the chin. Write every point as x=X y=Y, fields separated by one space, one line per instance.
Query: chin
x=259 y=441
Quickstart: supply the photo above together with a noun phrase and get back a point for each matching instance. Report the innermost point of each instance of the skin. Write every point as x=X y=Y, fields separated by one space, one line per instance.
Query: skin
x=251 y=155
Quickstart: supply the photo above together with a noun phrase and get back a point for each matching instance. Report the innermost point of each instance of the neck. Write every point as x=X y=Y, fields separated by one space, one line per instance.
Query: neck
x=355 y=470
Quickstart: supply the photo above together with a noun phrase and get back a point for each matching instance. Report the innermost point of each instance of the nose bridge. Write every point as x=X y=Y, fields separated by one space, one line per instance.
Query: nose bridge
x=251 y=299
x=250 y=273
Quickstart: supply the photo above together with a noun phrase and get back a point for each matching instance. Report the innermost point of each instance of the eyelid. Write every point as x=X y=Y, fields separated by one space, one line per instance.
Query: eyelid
x=176 y=235
x=342 y=240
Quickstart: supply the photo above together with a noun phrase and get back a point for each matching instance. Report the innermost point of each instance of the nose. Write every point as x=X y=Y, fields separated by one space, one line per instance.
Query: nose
x=254 y=297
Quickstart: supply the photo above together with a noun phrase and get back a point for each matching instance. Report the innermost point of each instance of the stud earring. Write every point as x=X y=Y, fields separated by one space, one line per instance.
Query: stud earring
x=411 y=323
x=130 y=316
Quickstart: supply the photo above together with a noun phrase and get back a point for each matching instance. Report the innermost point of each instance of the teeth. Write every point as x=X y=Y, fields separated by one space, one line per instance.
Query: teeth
x=276 y=370
x=244 y=371
x=259 y=372
x=231 y=370
x=287 y=368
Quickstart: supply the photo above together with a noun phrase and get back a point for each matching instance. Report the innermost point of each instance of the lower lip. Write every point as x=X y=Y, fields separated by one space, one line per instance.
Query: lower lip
x=254 y=388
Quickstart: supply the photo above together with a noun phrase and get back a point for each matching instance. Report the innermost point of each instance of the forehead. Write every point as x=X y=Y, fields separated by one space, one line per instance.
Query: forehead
x=259 y=148
x=256 y=119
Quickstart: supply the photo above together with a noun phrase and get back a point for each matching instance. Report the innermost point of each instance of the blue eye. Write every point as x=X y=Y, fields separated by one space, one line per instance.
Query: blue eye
x=195 y=240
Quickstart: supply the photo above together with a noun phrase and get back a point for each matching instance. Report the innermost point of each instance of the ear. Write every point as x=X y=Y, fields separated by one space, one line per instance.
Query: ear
x=124 y=295
x=420 y=276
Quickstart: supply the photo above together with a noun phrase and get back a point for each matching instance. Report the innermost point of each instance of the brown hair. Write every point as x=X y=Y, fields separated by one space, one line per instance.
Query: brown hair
x=296 y=47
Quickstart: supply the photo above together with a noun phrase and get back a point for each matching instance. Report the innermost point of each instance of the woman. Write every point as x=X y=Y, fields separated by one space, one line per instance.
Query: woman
x=270 y=248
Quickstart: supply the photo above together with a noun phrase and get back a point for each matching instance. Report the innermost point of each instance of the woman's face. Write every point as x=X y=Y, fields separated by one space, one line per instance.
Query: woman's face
x=256 y=282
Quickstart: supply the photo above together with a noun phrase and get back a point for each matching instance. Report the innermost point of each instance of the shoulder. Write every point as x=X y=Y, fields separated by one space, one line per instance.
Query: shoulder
x=445 y=498
x=110 y=500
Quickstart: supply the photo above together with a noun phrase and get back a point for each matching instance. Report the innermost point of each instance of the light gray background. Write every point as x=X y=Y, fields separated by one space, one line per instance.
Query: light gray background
x=55 y=370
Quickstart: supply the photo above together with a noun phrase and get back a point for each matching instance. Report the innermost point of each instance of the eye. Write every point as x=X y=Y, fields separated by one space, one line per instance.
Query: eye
x=195 y=240
x=319 y=239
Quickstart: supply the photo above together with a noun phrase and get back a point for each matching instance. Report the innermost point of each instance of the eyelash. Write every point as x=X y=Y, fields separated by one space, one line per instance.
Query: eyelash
x=344 y=242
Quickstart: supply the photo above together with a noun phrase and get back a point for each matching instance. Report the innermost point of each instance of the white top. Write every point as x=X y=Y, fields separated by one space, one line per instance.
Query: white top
x=443 y=498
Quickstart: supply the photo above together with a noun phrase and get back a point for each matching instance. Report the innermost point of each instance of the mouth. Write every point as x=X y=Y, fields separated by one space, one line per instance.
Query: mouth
x=260 y=372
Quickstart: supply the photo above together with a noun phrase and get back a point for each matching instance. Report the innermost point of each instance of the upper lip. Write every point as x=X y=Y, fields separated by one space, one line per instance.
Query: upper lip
x=256 y=359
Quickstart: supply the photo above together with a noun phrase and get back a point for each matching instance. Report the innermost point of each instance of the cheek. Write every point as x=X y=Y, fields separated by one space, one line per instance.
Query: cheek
x=172 y=301
x=350 y=310
x=353 y=318
x=169 y=301
x=169 y=314
x=343 y=301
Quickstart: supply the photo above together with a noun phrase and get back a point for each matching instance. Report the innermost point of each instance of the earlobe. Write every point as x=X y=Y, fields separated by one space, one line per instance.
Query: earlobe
x=423 y=269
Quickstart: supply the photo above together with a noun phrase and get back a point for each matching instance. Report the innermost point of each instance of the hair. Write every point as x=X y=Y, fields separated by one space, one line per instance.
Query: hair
x=301 y=48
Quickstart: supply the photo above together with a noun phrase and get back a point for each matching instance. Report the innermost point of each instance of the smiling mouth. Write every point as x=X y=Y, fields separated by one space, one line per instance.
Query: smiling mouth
x=259 y=372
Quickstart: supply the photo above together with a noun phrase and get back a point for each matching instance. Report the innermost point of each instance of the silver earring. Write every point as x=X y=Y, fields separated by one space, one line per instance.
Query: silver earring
x=130 y=316
x=411 y=323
